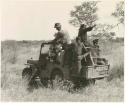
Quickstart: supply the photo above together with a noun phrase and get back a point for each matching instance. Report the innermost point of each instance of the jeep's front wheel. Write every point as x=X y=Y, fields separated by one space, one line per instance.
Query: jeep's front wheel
x=91 y=81
x=57 y=75
x=26 y=73
x=56 y=79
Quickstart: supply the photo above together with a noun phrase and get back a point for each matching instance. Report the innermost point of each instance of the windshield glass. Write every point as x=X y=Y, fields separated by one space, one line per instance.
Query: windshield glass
x=45 y=49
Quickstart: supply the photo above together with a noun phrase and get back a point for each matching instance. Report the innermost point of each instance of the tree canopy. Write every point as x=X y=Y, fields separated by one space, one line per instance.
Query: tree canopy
x=119 y=12
x=85 y=13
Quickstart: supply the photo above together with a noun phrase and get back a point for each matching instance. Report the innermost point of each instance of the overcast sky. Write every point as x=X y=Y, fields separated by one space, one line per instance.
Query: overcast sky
x=34 y=19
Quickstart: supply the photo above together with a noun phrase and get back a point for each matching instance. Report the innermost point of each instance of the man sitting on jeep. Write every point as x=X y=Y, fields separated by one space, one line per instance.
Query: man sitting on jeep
x=96 y=47
x=96 y=54
x=61 y=39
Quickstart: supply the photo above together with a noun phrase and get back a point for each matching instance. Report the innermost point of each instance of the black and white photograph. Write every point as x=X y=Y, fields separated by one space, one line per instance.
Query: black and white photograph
x=62 y=50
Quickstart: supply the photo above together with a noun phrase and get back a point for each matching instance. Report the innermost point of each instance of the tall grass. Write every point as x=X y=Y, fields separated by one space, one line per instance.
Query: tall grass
x=13 y=88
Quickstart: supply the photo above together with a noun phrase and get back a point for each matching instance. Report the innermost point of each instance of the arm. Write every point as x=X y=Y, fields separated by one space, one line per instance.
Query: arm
x=90 y=28
x=83 y=56
x=49 y=42
x=85 y=48
x=58 y=37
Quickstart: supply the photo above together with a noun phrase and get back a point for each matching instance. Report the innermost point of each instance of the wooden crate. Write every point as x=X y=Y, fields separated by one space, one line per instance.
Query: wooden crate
x=98 y=71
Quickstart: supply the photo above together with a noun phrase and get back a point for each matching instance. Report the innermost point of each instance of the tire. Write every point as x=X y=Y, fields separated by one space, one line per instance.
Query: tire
x=56 y=79
x=26 y=73
x=84 y=82
x=57 y=75
x=91 y=81
x=80 y=83
x=27 y=76
x=44 y=82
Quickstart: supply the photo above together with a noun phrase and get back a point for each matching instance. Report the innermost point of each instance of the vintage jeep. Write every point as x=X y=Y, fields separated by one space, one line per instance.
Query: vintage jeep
x=63 y=65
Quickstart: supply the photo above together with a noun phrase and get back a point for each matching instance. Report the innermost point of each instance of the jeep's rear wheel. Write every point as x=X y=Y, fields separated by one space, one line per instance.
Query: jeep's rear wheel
x=91 y=81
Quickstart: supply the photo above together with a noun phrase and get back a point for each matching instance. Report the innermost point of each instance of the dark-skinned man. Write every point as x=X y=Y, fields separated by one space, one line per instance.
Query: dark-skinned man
x=83 y=33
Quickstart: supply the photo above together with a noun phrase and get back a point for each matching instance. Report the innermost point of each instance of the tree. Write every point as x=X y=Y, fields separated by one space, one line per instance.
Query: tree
x=84 y=13
x=119 y=12
x=102 y=31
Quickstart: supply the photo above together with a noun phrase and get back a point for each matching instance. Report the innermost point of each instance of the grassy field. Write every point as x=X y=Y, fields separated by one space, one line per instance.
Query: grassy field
x=14 y=55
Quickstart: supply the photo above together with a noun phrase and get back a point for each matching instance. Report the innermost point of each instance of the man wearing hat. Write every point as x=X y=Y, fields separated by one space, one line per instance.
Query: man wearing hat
x=60 y=41
x=83 y=32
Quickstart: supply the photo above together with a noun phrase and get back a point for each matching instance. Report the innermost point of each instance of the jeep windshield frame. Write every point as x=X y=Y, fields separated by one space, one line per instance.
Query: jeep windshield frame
x=44 y=48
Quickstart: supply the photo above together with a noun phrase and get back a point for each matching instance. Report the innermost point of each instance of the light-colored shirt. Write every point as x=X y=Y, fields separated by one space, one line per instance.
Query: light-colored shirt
x=62 y=36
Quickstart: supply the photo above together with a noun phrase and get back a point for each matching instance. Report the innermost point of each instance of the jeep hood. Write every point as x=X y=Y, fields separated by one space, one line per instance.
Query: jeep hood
x=32 y=61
